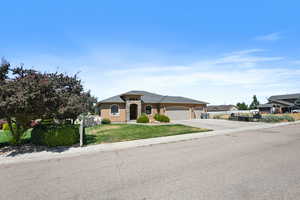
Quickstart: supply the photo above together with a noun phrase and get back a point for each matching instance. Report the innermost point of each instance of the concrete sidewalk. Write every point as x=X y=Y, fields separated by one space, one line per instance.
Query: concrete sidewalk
x=75 y=151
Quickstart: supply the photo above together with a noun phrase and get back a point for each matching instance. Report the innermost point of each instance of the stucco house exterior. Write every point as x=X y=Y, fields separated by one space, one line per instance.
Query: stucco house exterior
x=130 y=105
x=280 y=103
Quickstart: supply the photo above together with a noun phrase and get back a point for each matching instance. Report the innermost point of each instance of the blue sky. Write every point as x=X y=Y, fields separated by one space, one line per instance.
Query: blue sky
x=216 y=51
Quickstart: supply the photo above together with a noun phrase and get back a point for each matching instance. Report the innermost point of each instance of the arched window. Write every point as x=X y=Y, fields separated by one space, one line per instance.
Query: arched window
x=114 y=110
x=148 y=110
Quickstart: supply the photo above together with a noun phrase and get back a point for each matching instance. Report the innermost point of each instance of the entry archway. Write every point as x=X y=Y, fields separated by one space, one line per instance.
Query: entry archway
x=133 y=111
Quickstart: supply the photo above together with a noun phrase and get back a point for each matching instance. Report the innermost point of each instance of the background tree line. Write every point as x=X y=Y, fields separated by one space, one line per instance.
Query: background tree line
x=254 y=104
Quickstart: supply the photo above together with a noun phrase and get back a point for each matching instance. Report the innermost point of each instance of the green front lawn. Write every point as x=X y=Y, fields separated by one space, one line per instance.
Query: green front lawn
x=124 y=132
x=118 y=132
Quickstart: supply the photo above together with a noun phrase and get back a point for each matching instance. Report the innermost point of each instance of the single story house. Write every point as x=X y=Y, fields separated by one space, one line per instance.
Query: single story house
x=221 y=108
x=130 y=105
x=280 y=103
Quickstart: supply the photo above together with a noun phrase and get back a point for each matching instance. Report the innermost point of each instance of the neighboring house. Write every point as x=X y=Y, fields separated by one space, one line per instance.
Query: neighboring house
x=130 y=105
x=279 y=104
x=220 y=108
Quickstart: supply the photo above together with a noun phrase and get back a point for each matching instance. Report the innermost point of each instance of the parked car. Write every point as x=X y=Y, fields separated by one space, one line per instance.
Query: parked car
x=296 y=111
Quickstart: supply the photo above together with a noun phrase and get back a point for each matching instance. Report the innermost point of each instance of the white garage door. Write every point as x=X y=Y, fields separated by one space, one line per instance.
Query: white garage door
x=178 y=113
x=198 y=112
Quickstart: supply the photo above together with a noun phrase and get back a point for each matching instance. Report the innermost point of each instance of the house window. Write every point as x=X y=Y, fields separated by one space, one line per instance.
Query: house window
x=114 y=110
x=148 y=110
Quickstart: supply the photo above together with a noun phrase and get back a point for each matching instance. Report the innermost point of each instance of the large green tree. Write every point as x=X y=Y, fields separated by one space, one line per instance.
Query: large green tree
x=254 y=104
x=75 y=105
x=27 y=95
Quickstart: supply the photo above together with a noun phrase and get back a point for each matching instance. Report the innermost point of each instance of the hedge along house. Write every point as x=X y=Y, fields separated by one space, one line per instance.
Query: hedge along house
x=130 y=105
x=280 y=104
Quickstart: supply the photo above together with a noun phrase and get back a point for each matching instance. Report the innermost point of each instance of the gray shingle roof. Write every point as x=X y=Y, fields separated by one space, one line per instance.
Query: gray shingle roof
x=220 y=107
x=283 y=102
x=148 y=97
x=285 y=96
x=178 y=99
x=266 y=105
x=114 y=99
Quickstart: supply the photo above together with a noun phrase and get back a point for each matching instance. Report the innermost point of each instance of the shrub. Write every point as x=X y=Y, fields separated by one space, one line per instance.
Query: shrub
x=5 y=127
x=143 y=119
x=1 y=123
x=161 y=118
x=221 y=116
x=55 y=135
x=277 y=118
x=105 y=121
x=47 y=121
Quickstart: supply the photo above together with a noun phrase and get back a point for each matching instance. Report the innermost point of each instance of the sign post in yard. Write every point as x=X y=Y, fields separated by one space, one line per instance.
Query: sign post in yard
x=81 y=131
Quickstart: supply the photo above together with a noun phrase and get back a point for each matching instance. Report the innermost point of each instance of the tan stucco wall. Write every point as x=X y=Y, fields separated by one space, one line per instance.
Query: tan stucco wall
x=105 y=112
x=153 y=111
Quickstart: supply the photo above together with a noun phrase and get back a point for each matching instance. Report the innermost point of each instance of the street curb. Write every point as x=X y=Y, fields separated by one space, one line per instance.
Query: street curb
x=76 y=151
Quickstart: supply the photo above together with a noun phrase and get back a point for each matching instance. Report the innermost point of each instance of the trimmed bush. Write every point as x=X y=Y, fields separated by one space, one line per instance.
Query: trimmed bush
x=277 y=118
x=1 y=123
x=47 y=121
x=55 y=135
x=5 y=127
x=143 y=119
x=105 y=121
x=161 y=118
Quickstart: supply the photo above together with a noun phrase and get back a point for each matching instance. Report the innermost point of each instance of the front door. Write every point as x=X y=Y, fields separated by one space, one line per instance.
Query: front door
x=133 y=111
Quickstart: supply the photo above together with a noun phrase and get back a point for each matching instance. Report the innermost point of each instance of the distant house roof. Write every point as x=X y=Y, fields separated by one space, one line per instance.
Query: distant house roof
x=285 y=96
x=215 y=108
x=148 y=97
x=266 y=105
x=286 y=103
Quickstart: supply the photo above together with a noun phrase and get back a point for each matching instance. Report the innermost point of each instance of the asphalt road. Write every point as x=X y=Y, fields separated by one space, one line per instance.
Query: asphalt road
x=261 y=164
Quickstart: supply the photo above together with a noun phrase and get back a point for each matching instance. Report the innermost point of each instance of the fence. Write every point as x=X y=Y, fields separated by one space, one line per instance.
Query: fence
x=232 y=111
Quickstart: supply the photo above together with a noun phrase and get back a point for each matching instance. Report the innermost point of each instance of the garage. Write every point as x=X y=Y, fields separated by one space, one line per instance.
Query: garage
x=198 y=111
x=178 y=113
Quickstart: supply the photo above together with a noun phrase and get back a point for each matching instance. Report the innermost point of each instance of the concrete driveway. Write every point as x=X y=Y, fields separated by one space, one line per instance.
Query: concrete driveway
x=216 y=124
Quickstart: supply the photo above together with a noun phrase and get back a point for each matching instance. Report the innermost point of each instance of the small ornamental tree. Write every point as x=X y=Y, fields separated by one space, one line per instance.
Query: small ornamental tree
x=27 y=95
x=254 y=103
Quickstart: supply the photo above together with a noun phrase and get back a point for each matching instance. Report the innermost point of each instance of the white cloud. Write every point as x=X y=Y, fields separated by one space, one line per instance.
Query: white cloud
x=225 y=79
x=269 y=37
